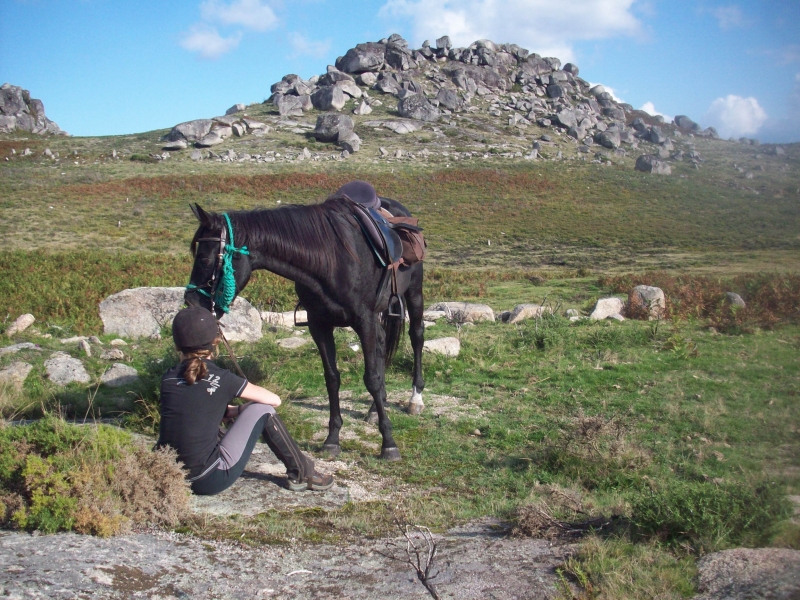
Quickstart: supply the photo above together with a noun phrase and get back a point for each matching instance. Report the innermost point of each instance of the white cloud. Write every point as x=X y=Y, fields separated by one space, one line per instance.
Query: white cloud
x=538 y=25
x=734 y=116
x=207 y=42
x=728 y=17
x=251 y=14
x=302 y=46
x=650 y=109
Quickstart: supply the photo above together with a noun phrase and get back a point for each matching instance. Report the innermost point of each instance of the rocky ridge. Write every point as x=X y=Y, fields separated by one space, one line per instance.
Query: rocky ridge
x=18 y=111
x=485 y=86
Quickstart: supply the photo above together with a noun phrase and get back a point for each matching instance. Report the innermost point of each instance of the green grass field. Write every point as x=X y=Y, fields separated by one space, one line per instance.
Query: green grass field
x=681 y=434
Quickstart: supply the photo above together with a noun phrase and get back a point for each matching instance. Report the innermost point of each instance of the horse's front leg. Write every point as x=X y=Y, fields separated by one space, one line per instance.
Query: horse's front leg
x=416 y=330
x=373 y=343
x=323 y=336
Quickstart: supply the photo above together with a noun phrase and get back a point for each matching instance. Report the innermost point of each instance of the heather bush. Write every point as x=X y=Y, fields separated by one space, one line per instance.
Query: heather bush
x=92 y=479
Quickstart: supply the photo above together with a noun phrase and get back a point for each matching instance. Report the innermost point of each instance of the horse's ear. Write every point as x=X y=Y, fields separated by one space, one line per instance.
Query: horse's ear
x=201 y=215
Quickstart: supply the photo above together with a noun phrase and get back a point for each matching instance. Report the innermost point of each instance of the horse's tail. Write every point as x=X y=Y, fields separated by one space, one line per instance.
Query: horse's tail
x=393 y=330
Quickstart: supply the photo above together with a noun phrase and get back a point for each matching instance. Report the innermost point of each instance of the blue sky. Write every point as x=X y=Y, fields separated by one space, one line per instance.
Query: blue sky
x=106 y=67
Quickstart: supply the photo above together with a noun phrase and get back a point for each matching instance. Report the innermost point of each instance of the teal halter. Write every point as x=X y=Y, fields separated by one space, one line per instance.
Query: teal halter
x=223 y=289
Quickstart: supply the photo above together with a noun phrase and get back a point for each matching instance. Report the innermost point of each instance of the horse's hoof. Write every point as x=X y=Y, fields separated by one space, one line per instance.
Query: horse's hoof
x=415 y=408
x=331 y=449
x=372 y=417
x=390 y=454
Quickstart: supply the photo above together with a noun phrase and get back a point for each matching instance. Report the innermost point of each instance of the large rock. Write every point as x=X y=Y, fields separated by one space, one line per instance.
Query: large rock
x=448 y=346
x=364 y=57
x=212 y=138
x=190 y=131
x=449 y=99
x=464 y=312
x=20 y=324
x=20 y=111
x=14 y=375
x=329 y=126
x=288 y=106
x=607 y=307
x=567 y=118
x=329 y=97
x=650 y=163
x=142 y=312
x=646 y=300
x=685 y=122
x=418 y=107
x=120 y=376
x=609 y=139
x=750 y=574
x=62 y=369
x=349 y=141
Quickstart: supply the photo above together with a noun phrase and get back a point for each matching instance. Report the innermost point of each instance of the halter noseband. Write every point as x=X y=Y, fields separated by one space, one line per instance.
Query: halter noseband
x=222 y=285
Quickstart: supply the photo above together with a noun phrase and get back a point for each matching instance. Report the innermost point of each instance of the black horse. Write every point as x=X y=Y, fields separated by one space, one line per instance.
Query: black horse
x=322 y=249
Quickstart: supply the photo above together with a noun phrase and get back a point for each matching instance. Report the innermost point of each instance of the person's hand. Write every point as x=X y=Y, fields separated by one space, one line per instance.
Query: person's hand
x=231 y=413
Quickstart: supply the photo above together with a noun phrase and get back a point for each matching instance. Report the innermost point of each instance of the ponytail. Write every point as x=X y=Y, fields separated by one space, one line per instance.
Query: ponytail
x=194 y=367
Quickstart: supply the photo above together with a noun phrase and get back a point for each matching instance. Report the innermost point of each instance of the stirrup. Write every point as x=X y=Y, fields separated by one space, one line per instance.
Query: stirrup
x=395 y=308
x=302 y=323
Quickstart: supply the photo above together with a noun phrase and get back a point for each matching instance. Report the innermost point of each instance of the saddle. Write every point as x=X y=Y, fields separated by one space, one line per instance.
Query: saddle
x=390 y=240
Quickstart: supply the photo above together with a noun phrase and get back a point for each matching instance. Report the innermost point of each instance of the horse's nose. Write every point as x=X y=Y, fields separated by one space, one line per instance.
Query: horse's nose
x=191 y=298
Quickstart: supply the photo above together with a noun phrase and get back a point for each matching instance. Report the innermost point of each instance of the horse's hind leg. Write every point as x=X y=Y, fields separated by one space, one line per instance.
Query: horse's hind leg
x=373 y=342
x=323 y=336
x=416 y=331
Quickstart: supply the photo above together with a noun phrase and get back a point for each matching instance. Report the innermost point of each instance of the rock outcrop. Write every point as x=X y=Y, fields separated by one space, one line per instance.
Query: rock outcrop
x=18 y=111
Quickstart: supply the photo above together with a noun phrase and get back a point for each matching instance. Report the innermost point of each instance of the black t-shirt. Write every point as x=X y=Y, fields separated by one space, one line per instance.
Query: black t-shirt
x=191 y=414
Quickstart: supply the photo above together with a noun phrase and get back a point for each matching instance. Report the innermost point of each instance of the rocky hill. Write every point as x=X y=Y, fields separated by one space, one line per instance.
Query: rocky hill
x=18 y=111
x=487 y=97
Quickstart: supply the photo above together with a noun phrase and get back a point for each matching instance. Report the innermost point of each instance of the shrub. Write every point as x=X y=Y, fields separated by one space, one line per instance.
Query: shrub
x=706 y=515
x=93 y=479
x=771 y=298
x=145 y=158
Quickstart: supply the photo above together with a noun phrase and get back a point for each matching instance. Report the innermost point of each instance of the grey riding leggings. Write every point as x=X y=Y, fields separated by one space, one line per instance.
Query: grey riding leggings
x=235 y=449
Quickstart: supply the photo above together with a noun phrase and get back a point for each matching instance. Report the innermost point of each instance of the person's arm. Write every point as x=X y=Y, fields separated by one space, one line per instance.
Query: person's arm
x=256 y=393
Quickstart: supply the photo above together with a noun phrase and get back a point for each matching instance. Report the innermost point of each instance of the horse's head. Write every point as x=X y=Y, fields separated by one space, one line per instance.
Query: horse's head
x=221 y=269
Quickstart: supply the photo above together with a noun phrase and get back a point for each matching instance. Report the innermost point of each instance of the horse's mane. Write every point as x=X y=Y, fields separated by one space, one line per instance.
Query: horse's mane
x=311 y=237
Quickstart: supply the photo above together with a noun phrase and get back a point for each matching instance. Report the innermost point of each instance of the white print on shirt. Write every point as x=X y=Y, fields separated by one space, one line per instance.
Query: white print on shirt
x=213 y=382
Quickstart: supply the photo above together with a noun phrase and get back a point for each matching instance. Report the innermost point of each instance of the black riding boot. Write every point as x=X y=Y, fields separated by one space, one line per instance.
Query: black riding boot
x=299 y=468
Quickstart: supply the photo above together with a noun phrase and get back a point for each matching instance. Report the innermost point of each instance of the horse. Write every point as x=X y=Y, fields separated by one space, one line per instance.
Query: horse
x=322 y=249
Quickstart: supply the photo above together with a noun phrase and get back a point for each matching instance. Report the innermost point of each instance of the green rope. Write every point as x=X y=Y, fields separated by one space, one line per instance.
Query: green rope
x=226 y=289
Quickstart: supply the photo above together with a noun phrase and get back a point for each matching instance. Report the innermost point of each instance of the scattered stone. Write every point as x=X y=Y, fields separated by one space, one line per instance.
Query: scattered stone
x=349 y=141
x=112 y=354
x=20 y=324
x=645 y=299
x=118 y=342
x=735 y=299
x=175 y=145
x=522 y=312
x=120 y=375
x=401 y=127
x=448 y=346
x=291 y=343
x=650 y=163
x=616 y=317
x=74 y=340
x=62 y=369
x=14 y=375
x=750 y=574
x=464 y=312
x=87 y=349
x=14 y=348
x=571 y=312
x=433 y=315
x=362 y=109
x=606 y=307
x=196 y=155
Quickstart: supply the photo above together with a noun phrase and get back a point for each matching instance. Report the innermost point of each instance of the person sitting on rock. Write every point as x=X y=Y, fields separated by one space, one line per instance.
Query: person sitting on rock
x=195 y=398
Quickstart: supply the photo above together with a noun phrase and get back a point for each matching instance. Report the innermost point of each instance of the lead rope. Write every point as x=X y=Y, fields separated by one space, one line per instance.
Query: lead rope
x=230 y=351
